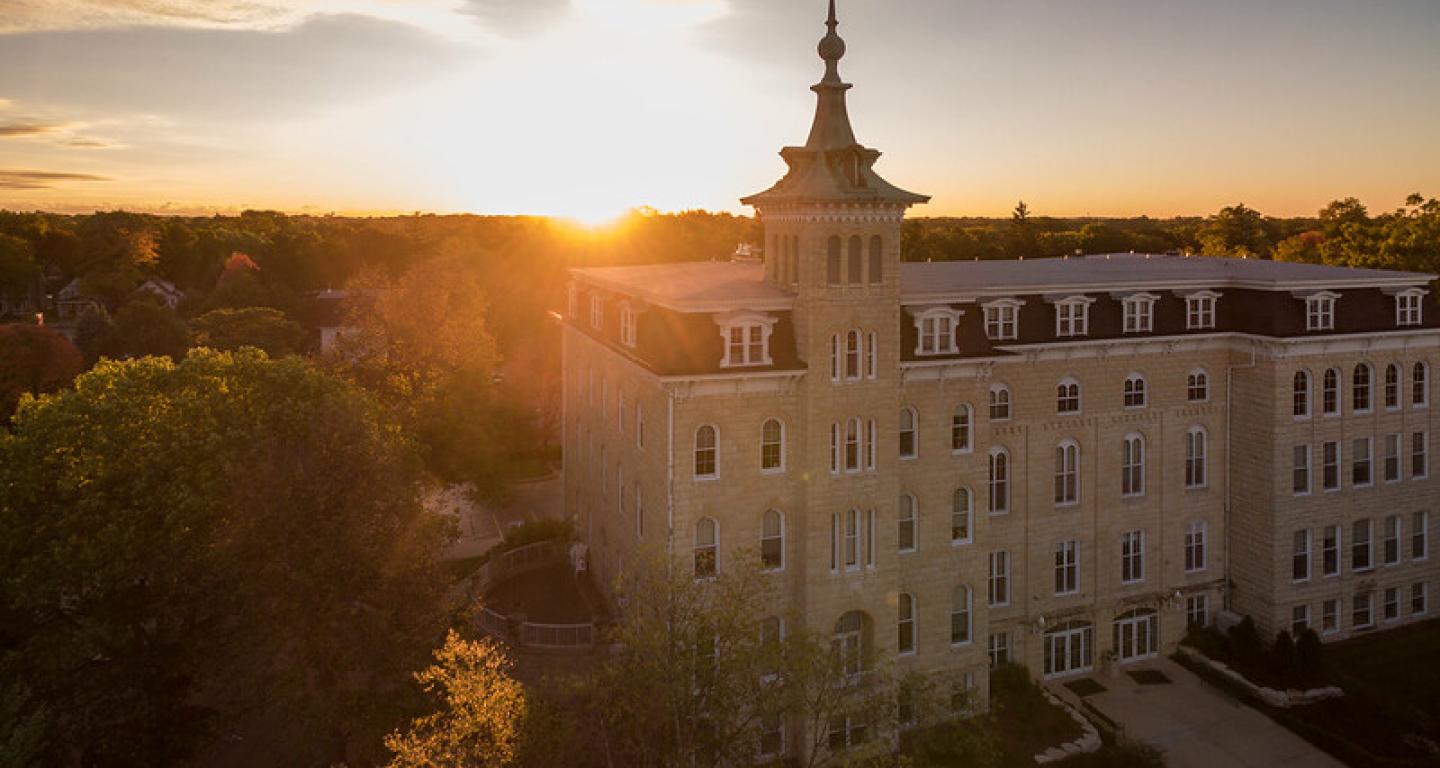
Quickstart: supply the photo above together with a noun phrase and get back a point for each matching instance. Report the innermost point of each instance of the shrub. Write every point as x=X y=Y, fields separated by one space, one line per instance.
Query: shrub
x=1309 y=656
x=1245 y=643
x=1282 y=656
x=548 y=529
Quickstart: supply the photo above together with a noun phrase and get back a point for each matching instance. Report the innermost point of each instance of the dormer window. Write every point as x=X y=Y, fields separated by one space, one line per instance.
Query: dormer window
x=1320 y=311
x=573 y=301
x=747 y=339
x=1072 y=316
x=1140 y=312
x=597 y=312
x=935 y=329
x=1408 y=307
x=1002 y=319
x=627 y=326
x=1200 y=310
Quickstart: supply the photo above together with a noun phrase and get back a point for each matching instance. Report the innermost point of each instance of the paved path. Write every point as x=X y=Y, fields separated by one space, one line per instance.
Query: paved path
x=1196 y=725
x=483 y=526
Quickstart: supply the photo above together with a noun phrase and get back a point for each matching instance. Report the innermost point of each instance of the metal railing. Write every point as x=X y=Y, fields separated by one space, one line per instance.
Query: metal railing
x=526 y=634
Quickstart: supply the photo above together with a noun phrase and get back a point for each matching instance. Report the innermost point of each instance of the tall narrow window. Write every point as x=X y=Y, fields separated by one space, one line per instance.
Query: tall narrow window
x=852 y=355
x=1132 y=557
x=871 y=352
x=999 y=402
x=1320 y=312
x=1420 y=536
x=877 y=259
x=706 y=459
x=1360 y=388
x=1392 y=386
x=836 y=357
x=961 y=516
x=707 y=548
x=1067 y=473
x=639 y=513
x=1300 y=470
x=1132 y=466
x=909 y=437
x=1300 y=556
x=999 y=594
x=1067 y=567
x=906 y=517
x=1072 y=317
x=1330 y=465
x=851 y=543
x=1391 y=464
x=1195 y=462
x=1390 y=545
x=1195 y=546
x=1361 y=473
x=1002 y=319
x=772 y=540
x=1200 y=311
x=1419 y=385
x=960 y=425
x=961 y=602
x=999 y=481
x=1419 y=455
x=1139 y=313
x=1301 y=408
x=852 y=445
x=1330 y=392
x=1134 y=391
x=1067 y=396
x=1330 y=550
x=871 y=435
x=627 y=326
x=855 y=272
x=772 y=446
x=833 y=246
x=834 y=447
x=1408 y=307
x=1361 y=548
x=1197 y=386
x=905 y=643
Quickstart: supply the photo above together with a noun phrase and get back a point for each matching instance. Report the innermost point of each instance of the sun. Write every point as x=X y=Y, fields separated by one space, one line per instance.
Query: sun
x=594 y=216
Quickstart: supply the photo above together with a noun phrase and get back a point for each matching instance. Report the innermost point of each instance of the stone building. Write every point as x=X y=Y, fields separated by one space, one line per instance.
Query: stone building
x=1048 y=461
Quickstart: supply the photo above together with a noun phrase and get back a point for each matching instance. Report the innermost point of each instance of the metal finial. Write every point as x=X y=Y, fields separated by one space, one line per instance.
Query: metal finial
x=831 y=22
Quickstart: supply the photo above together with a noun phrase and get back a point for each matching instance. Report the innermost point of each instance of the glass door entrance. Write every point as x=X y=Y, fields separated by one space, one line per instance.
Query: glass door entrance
x=1069 y=650
x=1137 y=635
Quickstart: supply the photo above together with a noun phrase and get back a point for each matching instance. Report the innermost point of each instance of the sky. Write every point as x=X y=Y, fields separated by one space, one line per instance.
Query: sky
x=586 y=108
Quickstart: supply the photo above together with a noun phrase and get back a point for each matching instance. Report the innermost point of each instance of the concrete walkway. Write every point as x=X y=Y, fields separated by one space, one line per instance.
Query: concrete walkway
x=1196 y=725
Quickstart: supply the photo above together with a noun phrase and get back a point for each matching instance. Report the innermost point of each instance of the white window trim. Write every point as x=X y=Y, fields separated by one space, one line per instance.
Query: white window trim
x=1410 y=386
x=1139 y=490
x=1142 y=307
x=781 y=567
x=629 y=319
x=1193 y=373
x=996 y=389
x=969 y=517
x=780 y=470
x=1202 y=531
x=997 y=306
x=914 y=431
x=990 y=502
x=745 y=320
x=1309 y=470
x=695 y=448
x=1192 y=302
x=1139 y=538
x=1204 y=458
x=1080 y=323
x=597 y=312
x=1309 y=395
x=969 y=426
x=1417 y=295
x=1062 y=447
x=1369 y=461
x=914 y=525
x=1079 y=396
x=1002 y=577
x=938 y=312
x=1320 y=309
x=1309 y=538
x=1144 y=391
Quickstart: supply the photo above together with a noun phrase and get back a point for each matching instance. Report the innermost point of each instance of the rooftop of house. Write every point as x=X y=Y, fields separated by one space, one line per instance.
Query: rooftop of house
x=719 y=286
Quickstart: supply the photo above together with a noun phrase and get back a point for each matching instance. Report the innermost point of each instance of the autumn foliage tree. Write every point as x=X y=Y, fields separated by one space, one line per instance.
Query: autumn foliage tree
x=34 y=360
x=190 y=545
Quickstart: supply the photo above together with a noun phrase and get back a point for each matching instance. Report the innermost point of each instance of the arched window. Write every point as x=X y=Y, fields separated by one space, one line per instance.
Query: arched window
x=999 y=481
x=1067 y=396
x=999 y=402
x=905 y=619
x=772 y=540
x=1330 y=392
x=852 y=355
x=1134 y=391
x=856 y=266
x=1301 y=408
x=707 y=464
x=1132 y=466
x=1392 y=386
x=961 y=603
x=832 y=260
x=1419 y=385
x=849 y=642
x=962 y=514
x=877 y=259
x=909 y=434
x=871 y=351
x=906 y=517
x=1195 y=466
x=1360 y=387
x=707 y=548
x=1067 y=472
x=960 y=429
x=1197 y=386
x=772 y=446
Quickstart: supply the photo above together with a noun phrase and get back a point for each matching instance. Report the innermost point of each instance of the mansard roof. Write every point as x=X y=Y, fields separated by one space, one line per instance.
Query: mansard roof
x=698 y=286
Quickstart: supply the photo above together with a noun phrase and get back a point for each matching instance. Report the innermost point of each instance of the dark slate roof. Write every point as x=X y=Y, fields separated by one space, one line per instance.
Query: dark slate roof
x=700 y=286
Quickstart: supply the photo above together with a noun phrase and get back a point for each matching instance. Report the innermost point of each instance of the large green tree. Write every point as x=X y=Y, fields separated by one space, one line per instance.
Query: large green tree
x=262 y=327
x=190 y=547
x=34 y=360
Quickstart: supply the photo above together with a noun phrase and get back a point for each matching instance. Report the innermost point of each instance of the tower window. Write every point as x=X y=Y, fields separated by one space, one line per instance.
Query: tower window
x=854 y=263
x=877 y=259
x=832 y=260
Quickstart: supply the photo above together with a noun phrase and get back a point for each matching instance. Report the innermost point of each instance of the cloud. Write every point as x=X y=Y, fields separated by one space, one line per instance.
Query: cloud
x=227 y=74
x=21 y=128
x=87 y=143
x=34 y=15
x=515 y=18
x=18 y=179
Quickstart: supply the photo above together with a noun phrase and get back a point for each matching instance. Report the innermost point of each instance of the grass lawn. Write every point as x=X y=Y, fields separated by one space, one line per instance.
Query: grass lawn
x=1020 y=724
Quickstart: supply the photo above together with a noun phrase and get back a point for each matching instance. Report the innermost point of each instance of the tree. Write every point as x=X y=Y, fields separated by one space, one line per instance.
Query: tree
x=1021 y=239
x=1309 y=656
x=482 y=713
x=701 y=673
x=34 y=360
x=18 y=270
x=23 y=728
x=1235 y=231
x=1099 y=237
x=145 y=327
x=261 y=327
x=189 y=544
